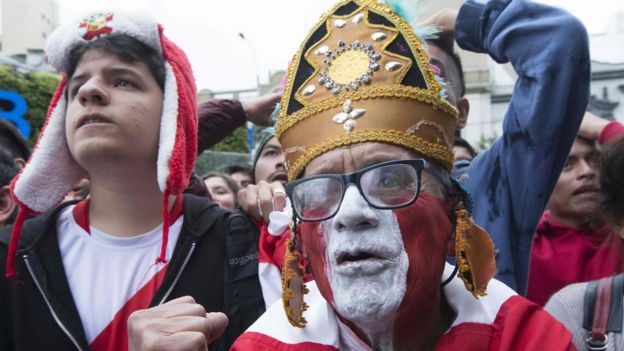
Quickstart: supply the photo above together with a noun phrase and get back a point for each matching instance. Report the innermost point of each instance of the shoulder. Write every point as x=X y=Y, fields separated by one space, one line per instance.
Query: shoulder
x=33 y=229
x=523 y=325
x=201 y=214
x=569 y=297
x=567 y=305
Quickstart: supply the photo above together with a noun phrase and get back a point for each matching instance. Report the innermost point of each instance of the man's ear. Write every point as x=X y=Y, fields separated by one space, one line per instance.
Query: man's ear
x=7 y=205
x=463 y=105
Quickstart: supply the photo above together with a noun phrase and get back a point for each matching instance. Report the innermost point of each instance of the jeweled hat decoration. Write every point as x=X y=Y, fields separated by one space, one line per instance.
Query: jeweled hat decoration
x=363 y=75
x=52 y=171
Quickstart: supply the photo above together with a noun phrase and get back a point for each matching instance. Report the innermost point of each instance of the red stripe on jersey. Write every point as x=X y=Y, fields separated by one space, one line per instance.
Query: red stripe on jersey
x=115 y=336
x=261 y=342
x=81 y=215
x=466 y=337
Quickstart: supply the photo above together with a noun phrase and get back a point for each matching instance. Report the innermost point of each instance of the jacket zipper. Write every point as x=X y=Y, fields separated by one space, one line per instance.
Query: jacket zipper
x=175 y=281
x=45 y=298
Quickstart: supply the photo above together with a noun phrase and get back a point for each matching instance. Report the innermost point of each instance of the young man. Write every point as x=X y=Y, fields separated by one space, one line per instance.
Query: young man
x=572 y=243
x=367 y=135
x=124 y=116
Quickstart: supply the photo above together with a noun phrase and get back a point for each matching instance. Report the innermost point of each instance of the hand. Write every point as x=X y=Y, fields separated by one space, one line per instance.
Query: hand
x=261 y=199
x=445 y=19
x=592 y=126
x=259 y=110
x=178 y=325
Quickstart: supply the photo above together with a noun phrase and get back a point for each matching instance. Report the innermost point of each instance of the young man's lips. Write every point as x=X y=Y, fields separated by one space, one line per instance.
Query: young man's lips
x=93 y=119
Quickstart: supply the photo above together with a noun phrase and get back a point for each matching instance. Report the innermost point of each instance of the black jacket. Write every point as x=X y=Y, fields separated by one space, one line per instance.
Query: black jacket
x=199 y=267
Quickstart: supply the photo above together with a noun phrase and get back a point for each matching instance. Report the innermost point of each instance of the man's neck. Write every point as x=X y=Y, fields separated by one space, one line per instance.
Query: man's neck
x=126 y=207
x=422 y=334
x=576 y=222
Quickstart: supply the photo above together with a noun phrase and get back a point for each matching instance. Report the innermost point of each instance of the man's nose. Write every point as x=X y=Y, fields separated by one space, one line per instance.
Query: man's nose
x=93 y=92
x=355 y=213
x=587 y=170
x=281 y=163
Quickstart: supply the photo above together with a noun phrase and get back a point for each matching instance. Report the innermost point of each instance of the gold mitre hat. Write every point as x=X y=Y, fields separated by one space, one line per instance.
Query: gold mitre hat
x=362 y=75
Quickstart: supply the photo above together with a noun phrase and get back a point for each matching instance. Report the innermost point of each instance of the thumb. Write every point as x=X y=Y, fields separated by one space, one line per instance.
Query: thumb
x=217 y=322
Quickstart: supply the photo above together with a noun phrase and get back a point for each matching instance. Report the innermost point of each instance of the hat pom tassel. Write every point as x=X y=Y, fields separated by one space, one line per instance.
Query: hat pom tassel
x=165 y=230
x=15 y=237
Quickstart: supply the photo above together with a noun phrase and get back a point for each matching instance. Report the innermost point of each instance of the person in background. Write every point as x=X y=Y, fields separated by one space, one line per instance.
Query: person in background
x=78 y=192
x=241 y=173
x=462 y=150
x=569 y=305
x=222 y=188
x=8 y=207
x=266 y=193
x=218 y=118
x=13 y=143
x=572 y=242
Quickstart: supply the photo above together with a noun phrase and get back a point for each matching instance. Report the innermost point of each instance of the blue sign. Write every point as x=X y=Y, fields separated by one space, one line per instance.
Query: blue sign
x=16 y=115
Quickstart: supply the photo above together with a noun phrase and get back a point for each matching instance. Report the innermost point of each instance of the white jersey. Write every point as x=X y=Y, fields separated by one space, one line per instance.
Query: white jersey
x=109 y=276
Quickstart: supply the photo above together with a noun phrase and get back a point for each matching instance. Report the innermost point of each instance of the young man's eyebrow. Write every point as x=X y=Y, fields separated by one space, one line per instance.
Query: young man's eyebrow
x=122 y=70
x=109 y=70
x=78 y=77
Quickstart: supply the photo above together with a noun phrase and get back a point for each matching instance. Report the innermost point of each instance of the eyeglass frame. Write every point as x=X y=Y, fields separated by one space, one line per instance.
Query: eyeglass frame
x=418 y=164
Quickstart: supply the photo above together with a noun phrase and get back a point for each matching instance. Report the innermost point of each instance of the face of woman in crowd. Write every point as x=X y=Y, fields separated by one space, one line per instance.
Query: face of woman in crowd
x=221 y=193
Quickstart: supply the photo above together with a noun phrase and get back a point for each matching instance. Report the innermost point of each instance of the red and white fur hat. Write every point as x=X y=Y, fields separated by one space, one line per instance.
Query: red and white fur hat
x=51 y=171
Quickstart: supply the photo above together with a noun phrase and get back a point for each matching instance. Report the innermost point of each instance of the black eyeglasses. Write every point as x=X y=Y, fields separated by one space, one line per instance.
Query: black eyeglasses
x=386 y=185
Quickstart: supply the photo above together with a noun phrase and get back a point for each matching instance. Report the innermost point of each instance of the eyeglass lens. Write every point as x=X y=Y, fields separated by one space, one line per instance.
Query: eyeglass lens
x=387 y=186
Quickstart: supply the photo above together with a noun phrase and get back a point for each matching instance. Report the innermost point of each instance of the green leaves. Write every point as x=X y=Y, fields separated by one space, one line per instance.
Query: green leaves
x=37 y=88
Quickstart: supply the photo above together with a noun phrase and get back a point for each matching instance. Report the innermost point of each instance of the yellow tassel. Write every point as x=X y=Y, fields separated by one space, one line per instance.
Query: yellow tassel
x=293 y=287
x=474 y=252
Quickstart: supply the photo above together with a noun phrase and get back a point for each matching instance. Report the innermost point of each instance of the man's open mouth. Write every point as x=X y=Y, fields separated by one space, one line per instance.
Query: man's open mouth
x=356 y=256
x=92 y=119
x=586 y=189
x=280 y=177
x=361 y=262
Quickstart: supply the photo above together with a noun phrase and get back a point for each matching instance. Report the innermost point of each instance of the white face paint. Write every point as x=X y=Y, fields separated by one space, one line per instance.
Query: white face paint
x=366 y=264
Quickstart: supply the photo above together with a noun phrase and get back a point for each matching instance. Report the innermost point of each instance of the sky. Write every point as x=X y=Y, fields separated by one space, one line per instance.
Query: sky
x=273 y=29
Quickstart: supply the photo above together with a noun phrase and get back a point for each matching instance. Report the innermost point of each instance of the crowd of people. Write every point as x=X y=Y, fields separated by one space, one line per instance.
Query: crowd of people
x=364 y=221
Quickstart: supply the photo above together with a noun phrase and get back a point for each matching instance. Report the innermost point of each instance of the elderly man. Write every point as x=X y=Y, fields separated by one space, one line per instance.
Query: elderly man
x=367 y=133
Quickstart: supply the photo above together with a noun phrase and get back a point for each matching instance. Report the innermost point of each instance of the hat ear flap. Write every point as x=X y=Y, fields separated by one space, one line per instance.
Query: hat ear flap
x=51 y=170
x=178 y=126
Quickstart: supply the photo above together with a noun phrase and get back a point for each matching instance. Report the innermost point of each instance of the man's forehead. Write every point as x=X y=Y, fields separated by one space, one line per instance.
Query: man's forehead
x=273 y=144
x=89 y=58
x=582 y=146
x=350 y=158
